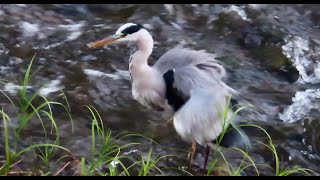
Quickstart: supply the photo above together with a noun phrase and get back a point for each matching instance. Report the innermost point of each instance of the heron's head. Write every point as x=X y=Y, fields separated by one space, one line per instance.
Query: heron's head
x=126 y=33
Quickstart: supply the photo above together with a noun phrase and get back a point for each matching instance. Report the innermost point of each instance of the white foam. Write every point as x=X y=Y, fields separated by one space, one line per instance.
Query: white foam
x=3 y=50
x=15 y=60
x=74 y=31
x=72 y=27
x=53 y=45
x=120 y=74
x=130 y=152
x=51 y=87
x=297 y=50
x=114 y=163
x=169 y=8
x=28 y=29
x=303 y=103
x=256 y=6
x=239 y=11
x=92 y=72
x=3 y=68
x=13 y=88
x=22 y=5
x=74 y=35
x=99 y=25
x=123 y=74
x=175 y=25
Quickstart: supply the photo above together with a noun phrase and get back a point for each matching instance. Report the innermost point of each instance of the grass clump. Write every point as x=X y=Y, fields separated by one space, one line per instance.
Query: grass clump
x=106 y=150
x=247 y=161
x=26 y=110
x=107 y=154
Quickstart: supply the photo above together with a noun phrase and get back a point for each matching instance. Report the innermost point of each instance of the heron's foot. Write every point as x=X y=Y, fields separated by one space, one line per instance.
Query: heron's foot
x=191 y=154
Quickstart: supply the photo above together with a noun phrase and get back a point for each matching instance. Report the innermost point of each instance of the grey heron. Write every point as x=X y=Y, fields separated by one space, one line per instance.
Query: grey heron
x=189 y=82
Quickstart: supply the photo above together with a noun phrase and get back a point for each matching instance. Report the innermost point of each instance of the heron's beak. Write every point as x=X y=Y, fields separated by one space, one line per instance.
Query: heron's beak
x=104 y=41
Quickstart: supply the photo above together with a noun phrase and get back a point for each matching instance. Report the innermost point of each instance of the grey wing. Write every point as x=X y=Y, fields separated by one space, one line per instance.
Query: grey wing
x=179 y=57
x=200 y=120
x=181 y=81
x=199 y=100
x=195 y=90
x=184 y=69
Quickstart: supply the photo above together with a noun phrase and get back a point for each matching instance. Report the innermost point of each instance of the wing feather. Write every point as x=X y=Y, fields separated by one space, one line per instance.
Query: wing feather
x=200 y=118
x=195 y=90
x=179 y=57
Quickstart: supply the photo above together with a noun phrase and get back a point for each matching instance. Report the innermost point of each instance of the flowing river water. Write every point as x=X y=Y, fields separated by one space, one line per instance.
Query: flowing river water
x=271 y=53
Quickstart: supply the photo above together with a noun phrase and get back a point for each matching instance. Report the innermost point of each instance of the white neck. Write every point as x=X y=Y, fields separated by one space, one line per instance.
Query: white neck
x=145 y=42
x=148 y=86
x=139 y=59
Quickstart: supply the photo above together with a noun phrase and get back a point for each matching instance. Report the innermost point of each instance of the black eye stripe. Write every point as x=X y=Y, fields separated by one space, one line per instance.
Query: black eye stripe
x=132 y=29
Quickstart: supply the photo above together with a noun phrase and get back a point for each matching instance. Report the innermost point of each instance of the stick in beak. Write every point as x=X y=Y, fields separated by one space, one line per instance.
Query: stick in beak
x=104 y=41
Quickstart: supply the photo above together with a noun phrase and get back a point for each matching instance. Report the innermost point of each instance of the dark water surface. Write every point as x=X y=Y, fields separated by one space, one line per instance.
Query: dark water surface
x=271 y=53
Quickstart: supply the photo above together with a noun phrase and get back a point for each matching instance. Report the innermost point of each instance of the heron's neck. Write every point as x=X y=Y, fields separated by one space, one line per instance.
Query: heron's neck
x=138 y=62
x=145 y=43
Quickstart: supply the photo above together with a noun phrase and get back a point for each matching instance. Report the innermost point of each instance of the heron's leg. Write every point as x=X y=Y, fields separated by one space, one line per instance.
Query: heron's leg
x=191 y=154
x=206 y=157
